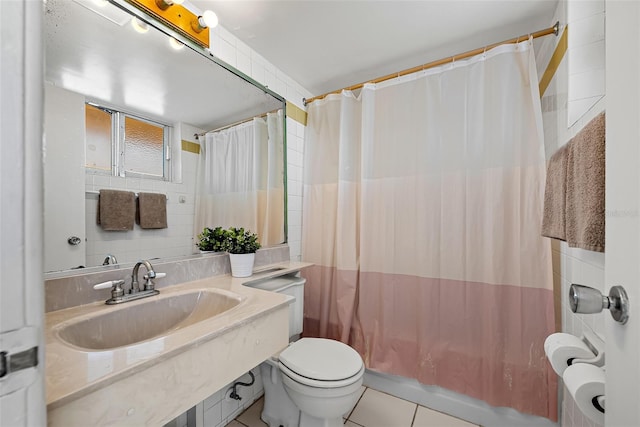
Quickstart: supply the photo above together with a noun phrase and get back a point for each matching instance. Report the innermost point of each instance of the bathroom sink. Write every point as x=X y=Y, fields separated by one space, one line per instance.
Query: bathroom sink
x=145 y=319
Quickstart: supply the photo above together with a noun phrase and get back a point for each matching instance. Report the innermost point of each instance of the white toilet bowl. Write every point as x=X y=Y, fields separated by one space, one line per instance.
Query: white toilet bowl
x=279 y=410
x=322 y=377
x=314 y=381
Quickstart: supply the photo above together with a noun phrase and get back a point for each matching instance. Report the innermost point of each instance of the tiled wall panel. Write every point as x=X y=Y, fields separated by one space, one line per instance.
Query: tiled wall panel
x=570 y=265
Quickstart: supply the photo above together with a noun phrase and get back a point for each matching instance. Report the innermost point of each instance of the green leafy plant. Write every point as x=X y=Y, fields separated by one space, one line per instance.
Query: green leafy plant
x=212 y=239
x=240 y=241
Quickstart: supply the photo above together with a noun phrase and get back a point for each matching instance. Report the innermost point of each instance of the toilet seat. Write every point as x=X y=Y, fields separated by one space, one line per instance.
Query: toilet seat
x=320 y=383
x=322 y=363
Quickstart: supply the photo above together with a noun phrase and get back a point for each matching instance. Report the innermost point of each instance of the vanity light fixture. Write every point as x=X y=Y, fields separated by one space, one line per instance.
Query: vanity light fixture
x=208 y=20
x=176 y=16
x=139 y=25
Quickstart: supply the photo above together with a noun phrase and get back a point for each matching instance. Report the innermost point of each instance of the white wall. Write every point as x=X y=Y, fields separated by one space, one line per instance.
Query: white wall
x=295 y=152
x=586 y=58
x=571 y=265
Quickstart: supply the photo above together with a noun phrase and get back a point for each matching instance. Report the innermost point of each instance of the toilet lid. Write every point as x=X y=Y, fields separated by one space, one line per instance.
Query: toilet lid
x=321 y=359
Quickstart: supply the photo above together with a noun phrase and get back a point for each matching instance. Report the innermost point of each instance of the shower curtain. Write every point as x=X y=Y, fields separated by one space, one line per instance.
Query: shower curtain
x=240 y=179
x=422 y=210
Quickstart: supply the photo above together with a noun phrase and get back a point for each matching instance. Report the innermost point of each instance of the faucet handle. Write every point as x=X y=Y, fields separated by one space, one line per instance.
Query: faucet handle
x=148 y=285
x=106 y=285
x=115 y=285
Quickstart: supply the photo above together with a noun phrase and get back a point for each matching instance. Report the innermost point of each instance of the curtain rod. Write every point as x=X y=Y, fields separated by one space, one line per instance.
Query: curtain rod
x=551 y=30
x=198 y=135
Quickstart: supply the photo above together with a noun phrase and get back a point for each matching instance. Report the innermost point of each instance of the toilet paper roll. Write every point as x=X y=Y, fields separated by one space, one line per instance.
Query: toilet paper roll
x=562 y=348
x=585 y=383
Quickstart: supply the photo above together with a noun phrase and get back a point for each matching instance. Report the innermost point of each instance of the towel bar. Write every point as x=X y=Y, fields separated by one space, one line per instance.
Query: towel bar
x=97 y=193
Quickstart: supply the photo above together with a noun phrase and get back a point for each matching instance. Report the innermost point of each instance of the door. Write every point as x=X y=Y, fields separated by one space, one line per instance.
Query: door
x=64 y=117
x=22 y=398
x=622 y=256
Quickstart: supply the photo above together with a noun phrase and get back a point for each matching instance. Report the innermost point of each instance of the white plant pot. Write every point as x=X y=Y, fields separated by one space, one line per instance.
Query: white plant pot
x=242 y=264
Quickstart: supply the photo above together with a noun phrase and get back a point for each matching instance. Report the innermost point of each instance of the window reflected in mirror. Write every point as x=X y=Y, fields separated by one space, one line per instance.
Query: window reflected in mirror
x=98 y=132
x=144 y=147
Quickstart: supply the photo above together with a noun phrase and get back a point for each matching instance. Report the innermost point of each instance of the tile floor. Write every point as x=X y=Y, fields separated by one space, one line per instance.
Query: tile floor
x=374 y=409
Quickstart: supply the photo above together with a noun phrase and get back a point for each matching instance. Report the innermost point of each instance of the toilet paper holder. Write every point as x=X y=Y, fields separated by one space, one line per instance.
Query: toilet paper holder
x=586 y=300
x=596 y=345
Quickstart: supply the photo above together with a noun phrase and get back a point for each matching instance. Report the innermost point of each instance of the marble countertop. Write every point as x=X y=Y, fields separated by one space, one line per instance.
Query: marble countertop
x=73 y=372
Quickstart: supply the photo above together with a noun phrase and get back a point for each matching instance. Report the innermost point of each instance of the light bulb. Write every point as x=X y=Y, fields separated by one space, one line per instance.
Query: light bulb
x=139 y=25
x=165 y=4
x=209 y=19
x=100 y=3
x=175 y=43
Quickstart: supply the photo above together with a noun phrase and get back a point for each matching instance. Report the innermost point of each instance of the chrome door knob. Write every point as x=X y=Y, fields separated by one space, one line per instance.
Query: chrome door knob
x=586 y=300
x=74 y=240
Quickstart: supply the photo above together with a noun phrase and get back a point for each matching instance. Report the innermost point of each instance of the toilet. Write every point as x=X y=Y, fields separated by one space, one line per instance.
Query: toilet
x=314 y=381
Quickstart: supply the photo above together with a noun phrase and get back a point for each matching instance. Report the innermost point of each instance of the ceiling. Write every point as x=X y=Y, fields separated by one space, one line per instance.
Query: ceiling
x=325 y=45
x=94 y=51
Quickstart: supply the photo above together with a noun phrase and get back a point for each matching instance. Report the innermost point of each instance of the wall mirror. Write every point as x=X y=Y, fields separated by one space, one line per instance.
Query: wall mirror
x=94 y=55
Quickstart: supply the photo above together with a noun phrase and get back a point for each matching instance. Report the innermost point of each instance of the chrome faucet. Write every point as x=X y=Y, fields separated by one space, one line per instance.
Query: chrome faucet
x=117 y=293
x=110 y=259
x=135 y=286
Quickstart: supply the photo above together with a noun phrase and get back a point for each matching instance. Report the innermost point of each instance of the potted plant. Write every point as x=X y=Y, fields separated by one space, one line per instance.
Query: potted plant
x=241 y=245
x=211 y=240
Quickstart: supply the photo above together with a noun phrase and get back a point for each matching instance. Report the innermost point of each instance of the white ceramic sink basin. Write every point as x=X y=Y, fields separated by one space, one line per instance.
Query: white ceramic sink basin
x=145 y=319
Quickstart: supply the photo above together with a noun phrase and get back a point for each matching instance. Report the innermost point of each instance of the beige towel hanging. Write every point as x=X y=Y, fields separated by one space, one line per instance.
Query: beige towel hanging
x=585 y=217
x=152 y=210
x=116 y=210
x=555 y=195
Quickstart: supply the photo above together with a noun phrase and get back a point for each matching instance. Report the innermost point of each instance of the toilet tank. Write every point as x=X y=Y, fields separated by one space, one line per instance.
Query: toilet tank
x=289 y=285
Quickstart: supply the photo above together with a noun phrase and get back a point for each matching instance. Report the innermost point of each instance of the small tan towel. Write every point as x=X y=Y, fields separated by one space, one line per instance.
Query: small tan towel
x=555 y=193
x=152 y=210
x=585 y=217
x=116 y=210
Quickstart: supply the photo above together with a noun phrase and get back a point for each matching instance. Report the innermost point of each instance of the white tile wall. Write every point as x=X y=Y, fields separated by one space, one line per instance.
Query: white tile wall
x=573 y=265
x=295 y=151
x=586 y=54
x=230 y=49
x=129 y=246
x=219 y=409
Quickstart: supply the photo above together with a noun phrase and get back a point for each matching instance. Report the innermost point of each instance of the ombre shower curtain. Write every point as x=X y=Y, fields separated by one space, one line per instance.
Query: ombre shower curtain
x=422 y=210
x=240 y=181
